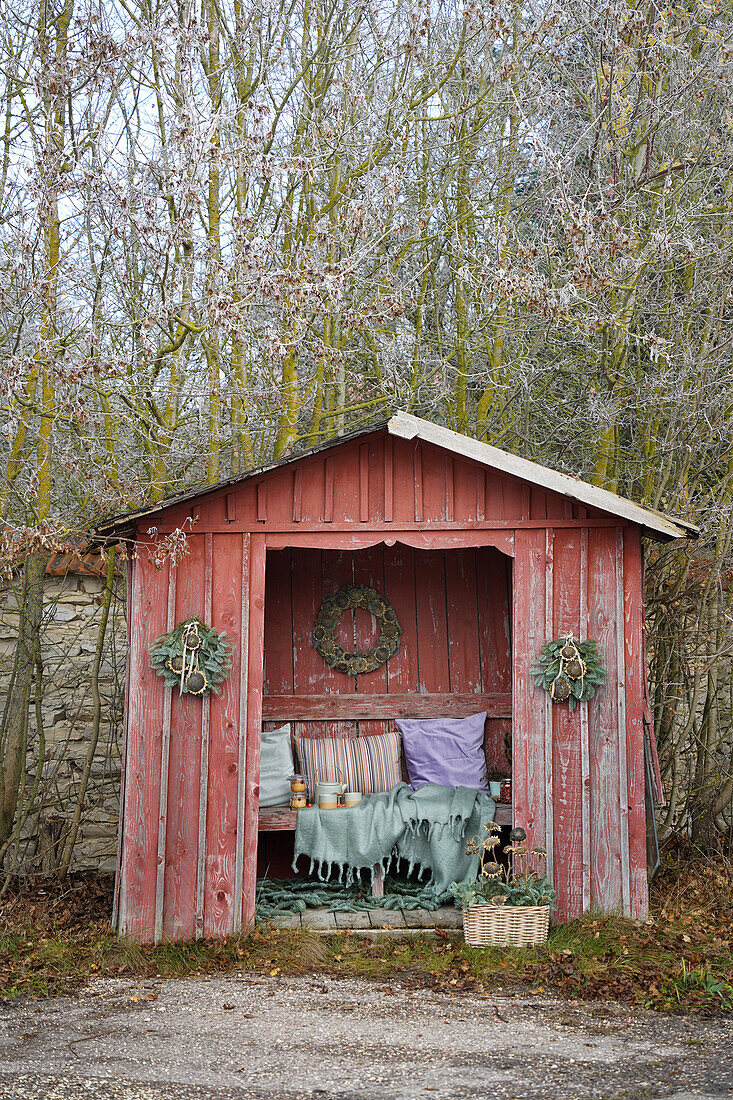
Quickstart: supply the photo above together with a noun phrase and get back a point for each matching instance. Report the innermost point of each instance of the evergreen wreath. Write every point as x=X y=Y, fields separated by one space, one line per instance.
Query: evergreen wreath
x=193 y=657
x=324 y=632
x=571 y=671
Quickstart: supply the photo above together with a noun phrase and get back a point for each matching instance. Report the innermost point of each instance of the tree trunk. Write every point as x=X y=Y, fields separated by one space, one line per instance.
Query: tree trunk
x=15 y=715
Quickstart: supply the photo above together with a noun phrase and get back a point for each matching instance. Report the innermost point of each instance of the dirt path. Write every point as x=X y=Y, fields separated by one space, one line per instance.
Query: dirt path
x=272 y=1038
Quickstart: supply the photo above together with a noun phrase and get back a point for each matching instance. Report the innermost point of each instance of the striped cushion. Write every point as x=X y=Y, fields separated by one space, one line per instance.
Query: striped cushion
x=366 y=764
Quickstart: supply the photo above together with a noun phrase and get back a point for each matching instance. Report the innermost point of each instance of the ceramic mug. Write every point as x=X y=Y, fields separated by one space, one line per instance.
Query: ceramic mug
x=352 y=798
x=328 y=802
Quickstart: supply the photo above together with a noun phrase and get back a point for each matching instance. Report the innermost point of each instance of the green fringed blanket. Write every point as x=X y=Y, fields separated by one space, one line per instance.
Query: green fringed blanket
x=428 y=828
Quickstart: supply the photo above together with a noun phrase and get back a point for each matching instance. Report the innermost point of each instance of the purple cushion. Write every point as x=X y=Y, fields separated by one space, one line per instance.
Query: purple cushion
x=449 y=751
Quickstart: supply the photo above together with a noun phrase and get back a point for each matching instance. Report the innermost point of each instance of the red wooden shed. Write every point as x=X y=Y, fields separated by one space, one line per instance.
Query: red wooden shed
x=484 y=556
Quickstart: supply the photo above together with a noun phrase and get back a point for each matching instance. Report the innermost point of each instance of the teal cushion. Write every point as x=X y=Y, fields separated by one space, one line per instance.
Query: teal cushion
x=276 y=767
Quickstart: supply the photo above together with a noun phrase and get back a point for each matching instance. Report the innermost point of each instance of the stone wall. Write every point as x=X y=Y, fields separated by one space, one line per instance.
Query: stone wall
x=72 y=612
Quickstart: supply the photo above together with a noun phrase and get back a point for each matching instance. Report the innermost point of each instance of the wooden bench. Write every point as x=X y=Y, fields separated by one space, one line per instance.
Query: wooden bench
x=341 y=715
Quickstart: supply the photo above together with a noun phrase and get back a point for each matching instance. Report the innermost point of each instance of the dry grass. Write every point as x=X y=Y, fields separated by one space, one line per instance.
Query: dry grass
x=54 y=940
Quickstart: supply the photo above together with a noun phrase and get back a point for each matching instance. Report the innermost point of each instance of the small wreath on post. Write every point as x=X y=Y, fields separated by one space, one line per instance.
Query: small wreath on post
x=571 y=671
x=193 y=657
x=324 y=632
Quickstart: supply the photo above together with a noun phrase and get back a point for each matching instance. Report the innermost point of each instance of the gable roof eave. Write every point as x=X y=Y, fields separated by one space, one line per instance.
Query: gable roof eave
x=406 y=426
x=655 y=524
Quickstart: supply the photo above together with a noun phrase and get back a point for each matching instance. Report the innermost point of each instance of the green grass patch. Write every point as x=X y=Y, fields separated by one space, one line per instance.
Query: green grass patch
x=681 y=961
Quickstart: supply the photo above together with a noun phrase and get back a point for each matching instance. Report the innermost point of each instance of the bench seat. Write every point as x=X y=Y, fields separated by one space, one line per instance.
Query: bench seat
x=283 y=819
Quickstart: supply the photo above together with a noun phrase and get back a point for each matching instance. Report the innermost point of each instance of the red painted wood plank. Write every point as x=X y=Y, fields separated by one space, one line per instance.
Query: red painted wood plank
x=528 y=629
x=337 y=570
x=181 y=847
x=297 y=494
x=555 y=505
x=495 y=646
x=493 y=591
x=566 y=749
x=399 y=589
x=144 y=732
x=462 y=625
x=435 y=474
x=321 y=708
x=277 y=819
x=537 y=502
x=473 y=529
x=376 y=462
x=328 y=490
x=221 y=818
x=364 y=482
x=432 y=632
x=420 y=539
x=312 y=490
x=635 y=660
x=468 y=489
x=309 y=668
x=388 y=513
x=262 y=501
x=369 y=570
x=449 y=513
x=254 y=725
x=494 y=497
x=512 y=497
x=279 y=624
x=606 y=885
x=242 y=734
x=417 y=483
x=346 y=484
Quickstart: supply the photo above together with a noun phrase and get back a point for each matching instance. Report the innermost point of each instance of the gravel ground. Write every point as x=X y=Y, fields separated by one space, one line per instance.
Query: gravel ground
x=271 y=1038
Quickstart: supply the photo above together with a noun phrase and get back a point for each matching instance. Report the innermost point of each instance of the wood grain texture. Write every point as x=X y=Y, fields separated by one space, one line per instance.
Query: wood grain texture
x=566 y=739
x=368 y=569
x=584 y=735
x=403 y=673
x=388 y=505
x=223 y=777
x=623 y=808
x=279 y=624
x=164 y=775
x=255 y=672
x=278 y=819
x=606 y=878
x=129 y=613
x=181 y=846
x=204 y=764
x=549 y=776
x=432 y=622
x=242 y=733
x=528 y=627
x=433 y=529
x=461 y=596
x=634 y=669
x=493 y=585
x=366 y=706
x=144 y=723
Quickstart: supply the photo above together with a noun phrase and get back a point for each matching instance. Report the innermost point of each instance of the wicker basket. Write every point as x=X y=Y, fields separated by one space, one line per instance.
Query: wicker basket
x=505 y=925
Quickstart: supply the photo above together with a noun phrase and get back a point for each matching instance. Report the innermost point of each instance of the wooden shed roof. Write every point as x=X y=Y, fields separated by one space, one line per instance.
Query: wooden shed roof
x=655 y=524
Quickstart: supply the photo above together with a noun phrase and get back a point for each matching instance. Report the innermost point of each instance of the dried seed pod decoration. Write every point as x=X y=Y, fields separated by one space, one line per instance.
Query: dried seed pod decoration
x=350 y=597
x=575 y=668
x=193 y=657
x=560 y=690
x=570 y=671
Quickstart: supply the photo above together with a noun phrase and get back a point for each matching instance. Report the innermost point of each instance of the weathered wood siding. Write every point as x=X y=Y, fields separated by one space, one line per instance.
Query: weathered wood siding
x=454 y=609
x=436 y=534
